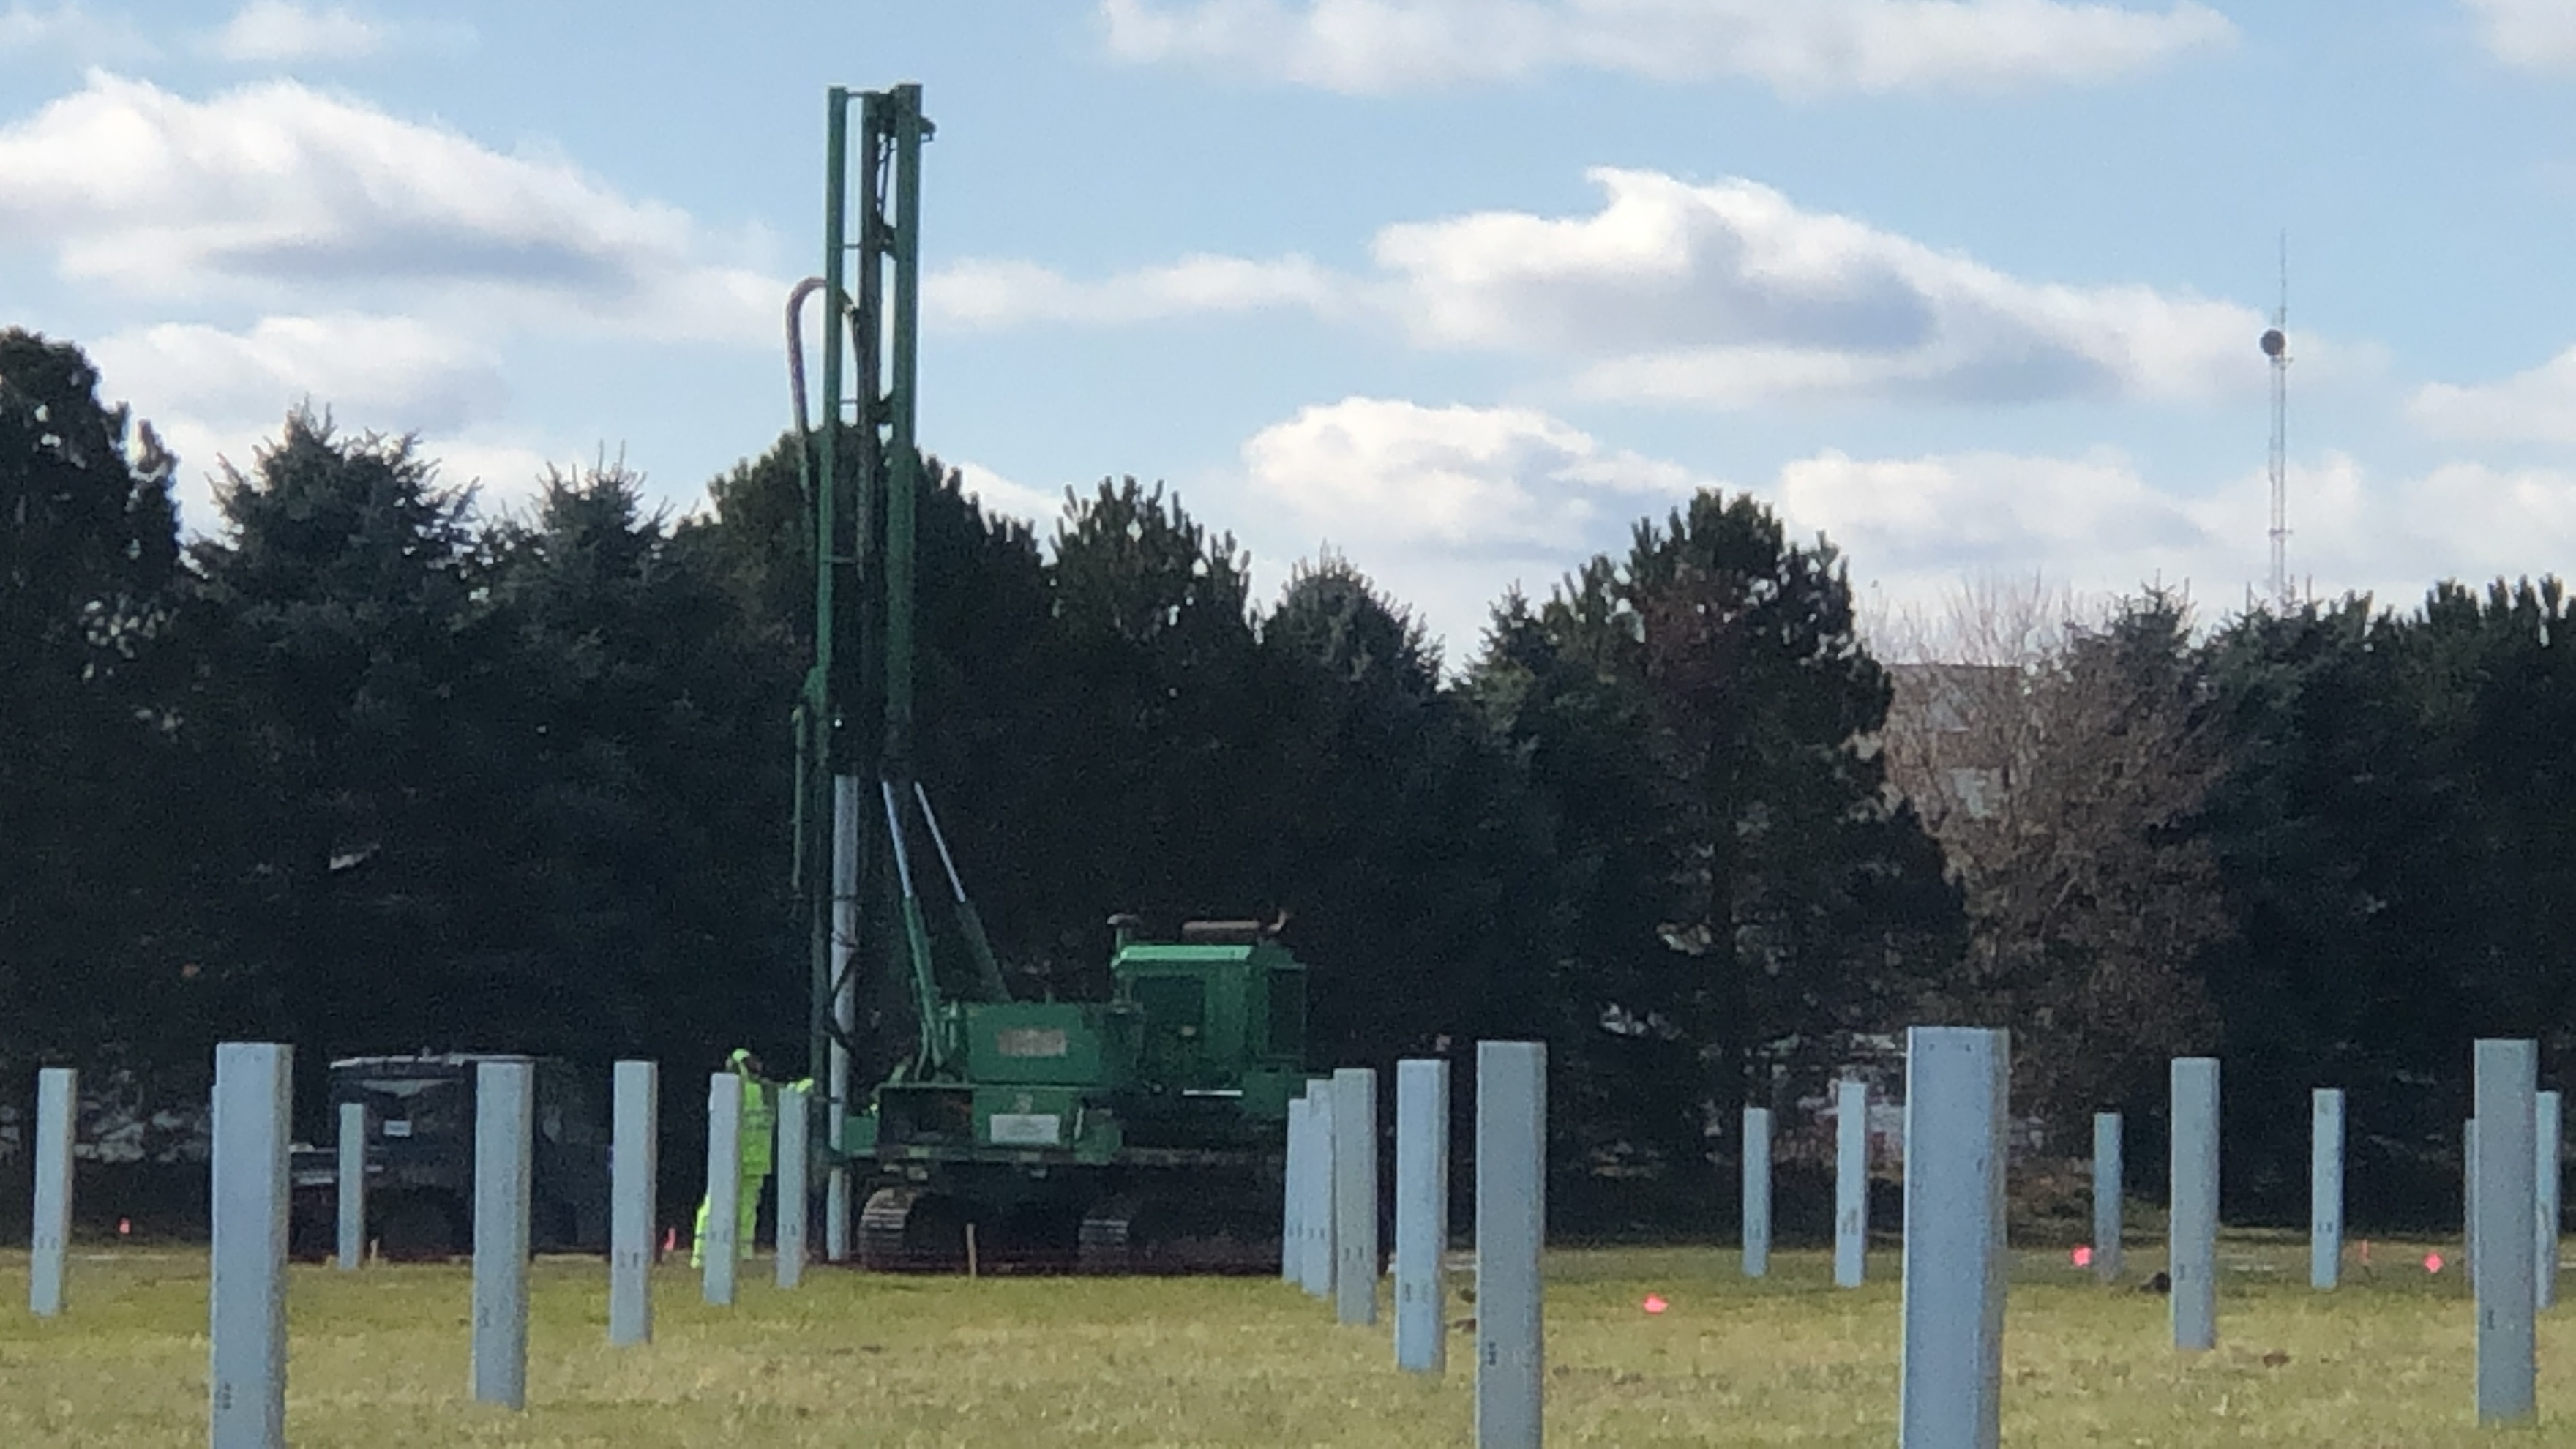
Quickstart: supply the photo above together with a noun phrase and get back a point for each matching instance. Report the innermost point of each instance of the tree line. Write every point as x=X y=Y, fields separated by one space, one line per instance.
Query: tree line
x=369 y=767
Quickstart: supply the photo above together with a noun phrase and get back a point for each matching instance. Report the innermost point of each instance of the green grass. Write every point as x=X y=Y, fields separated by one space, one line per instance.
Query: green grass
x=379 y=1360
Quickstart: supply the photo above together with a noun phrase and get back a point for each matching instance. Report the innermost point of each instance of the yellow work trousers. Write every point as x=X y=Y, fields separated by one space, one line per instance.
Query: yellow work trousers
x=747 y=1213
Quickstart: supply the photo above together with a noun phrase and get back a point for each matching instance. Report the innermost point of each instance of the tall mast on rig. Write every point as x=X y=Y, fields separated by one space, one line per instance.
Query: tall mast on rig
x=860 y=804
x=860 y=473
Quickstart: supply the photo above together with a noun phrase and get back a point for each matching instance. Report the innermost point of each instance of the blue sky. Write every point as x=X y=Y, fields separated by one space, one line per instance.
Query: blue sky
x=1460 y=289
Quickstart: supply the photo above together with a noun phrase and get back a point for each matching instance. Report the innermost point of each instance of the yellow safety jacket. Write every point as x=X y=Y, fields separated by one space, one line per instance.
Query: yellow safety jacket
x=759 y=1118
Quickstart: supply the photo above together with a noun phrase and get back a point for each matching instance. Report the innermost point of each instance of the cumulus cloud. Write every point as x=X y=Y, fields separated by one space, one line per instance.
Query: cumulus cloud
x=1731 y=294
x=70 y=27
x=1912 y=527
x=217 y=395
x=1811 y=46
x=2540 y=34
x=2092 y=519
x=2535 y=406
x=366 y=364
x=2487 y=521
x=277 y=190
x=1463 y=479
x=1727 y=294
x=1446 y=506
x=502 y=464
x=1033 y=506
x=1003 y=293
x=1449 y=506
x=274 y=30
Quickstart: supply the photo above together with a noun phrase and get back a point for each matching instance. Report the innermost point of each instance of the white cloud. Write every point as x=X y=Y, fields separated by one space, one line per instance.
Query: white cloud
x=1913 y=523
x=218 y=395
x=1449 y=506
x=2534 y=406
x=2540 y=34
x=279 y=194
x=503 y=467
x=1732 y=295
x=1466 y=479
x=1033 y=506
x=2486 y=521
x=1002 y=293
x=501 y=463
x=361 y=365
x=1796 y=46
x=274 y=30
x=70 y=27
x=1446 y=506
x=378 y=267
x=1913 y=527
x=1725 y=294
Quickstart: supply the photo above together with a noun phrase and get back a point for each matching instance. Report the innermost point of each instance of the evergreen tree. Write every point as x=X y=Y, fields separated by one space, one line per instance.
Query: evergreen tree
x=341 y=625
x=2346 y=846
x=1401 y=836
x=639 y=743
x=1799 y=909
x=96 y=927
x=1159 y=781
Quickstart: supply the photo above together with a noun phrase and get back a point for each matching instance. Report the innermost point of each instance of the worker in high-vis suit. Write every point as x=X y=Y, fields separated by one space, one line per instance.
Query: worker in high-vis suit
x=759 y=1130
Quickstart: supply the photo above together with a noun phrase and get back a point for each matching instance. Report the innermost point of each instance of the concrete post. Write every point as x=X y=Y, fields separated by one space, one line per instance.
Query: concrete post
x=57 y=1100
x=1950 y=1383
x=845 y=1011
x=1757 y=1191
x=1851 y=1182
x=351 y=1180
x=634 y=1171
x=717 y=1251
x=1421 y=1215
x=795 y=1130
x=1321 y=1144
x=2193 y=1236
x=1511 y=1226
x=1355 y=1256
x=2547 y=1131
x=2325 y=1188
x=246 y=1296
x=504 y=1111
x=2507 y=1074
x=1292 y=1197
x=2110 y=1186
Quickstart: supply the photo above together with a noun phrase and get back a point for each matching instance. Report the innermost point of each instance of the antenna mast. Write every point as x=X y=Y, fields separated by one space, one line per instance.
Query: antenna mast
x=2276 y=346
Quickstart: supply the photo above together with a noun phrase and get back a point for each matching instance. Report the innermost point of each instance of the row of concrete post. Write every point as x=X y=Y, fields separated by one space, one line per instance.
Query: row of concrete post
x=1851 y=1186
x=1954 y=1219
x=1956 y=1078
x=2194 y=1177
x=1329 y=1219
x=1954 y=1128
x=2512 y=1164
x=247 y=1294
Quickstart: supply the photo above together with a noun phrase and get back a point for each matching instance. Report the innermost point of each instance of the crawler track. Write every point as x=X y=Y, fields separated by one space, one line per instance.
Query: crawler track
x=905 y=1229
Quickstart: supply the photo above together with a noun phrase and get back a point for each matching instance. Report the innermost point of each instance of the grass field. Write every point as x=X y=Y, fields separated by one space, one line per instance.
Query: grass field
x=379 y=1360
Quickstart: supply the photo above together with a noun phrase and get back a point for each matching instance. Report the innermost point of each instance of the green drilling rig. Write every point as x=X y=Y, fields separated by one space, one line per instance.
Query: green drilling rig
x=1140 y=1133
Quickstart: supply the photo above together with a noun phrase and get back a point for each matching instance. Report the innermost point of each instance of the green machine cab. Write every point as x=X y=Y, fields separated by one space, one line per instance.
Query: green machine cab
x=1138 y=1132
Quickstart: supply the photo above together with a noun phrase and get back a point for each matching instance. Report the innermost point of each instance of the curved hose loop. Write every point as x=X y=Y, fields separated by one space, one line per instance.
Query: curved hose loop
x=796 y=348
x=796 y=356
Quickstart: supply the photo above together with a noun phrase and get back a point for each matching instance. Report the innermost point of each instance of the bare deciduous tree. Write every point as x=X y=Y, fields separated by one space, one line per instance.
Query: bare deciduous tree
x=2057 y=748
